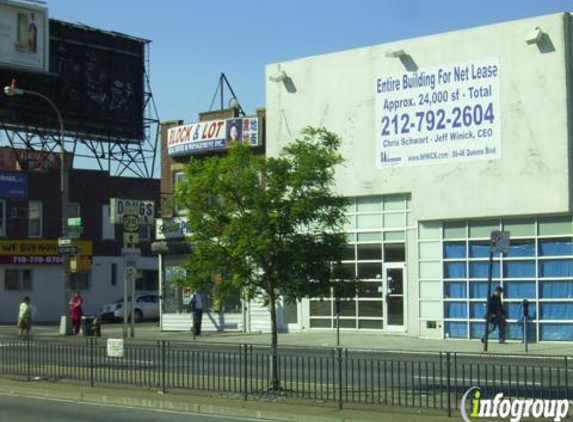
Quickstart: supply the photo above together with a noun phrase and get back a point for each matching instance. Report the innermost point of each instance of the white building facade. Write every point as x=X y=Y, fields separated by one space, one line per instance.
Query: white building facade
x=445 y=138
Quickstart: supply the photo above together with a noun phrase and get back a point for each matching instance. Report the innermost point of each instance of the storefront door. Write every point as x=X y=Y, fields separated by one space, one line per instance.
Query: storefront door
x=394 y=292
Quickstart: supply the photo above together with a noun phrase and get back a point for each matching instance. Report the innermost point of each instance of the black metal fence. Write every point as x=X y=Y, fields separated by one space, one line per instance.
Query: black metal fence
x=341 y=376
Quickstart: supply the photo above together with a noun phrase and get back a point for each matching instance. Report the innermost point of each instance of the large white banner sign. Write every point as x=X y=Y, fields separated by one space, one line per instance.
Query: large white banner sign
x=447 y=113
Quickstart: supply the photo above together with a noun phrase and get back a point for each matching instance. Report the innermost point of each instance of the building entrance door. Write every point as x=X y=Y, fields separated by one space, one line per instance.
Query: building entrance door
x=394 y=311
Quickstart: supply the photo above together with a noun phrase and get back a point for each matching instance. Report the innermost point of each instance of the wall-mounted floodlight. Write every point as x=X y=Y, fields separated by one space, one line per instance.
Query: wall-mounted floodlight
x=395 y=53
x=534 y=37
x=279 y=77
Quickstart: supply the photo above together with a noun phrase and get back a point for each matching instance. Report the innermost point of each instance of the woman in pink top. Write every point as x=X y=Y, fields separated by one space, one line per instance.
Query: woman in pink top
x=76 y=312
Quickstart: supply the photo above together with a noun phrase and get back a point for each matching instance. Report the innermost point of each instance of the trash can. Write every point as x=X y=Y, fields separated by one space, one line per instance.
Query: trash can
x=86 y=326
x=96 y=327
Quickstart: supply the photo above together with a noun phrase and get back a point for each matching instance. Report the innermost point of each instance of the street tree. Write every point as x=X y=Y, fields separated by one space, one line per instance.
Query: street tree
x=270 y=227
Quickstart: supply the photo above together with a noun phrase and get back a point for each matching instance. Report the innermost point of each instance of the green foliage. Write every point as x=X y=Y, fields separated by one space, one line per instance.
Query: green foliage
x=272 y=226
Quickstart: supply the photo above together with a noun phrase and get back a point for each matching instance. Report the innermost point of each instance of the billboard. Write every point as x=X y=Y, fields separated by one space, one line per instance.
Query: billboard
x=24 y=35
x=96 y=79
x=213 y=135
x=447 y=113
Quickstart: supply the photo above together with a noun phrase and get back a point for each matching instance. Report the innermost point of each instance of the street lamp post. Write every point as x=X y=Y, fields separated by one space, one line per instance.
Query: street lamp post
x=11 y=91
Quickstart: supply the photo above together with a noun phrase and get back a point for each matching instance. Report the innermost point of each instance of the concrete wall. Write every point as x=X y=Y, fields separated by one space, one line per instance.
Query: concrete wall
x=531 y=177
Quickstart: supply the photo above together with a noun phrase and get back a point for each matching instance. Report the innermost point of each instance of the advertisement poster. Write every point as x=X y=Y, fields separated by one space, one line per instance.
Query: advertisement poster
x=447 y=113
x=212 y=135
x=24 y=36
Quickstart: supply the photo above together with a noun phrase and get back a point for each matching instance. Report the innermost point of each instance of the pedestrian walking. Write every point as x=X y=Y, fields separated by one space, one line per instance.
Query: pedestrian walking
x=496 y=315
x=24 y=317
x=76 y=311
x=197 y=307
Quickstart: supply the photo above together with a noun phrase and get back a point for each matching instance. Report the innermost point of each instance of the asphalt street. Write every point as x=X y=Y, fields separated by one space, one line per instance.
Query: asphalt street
x=26 y=409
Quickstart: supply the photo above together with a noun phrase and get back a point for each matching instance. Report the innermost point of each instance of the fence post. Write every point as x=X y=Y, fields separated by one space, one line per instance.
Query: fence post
x=245 y=348
x=28 y=357
x=340 y=404
x=566 y=378
x=91 y=342
x=163 y=363
x=449 y=384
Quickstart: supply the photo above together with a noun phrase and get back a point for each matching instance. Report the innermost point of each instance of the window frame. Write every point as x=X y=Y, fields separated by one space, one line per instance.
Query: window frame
x=40 y=219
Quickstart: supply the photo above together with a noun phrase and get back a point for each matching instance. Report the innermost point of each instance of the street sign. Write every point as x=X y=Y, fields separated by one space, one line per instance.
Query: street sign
x=68 y=250
x=130 y=240
x=130 y=223
x=500 y=241
x=130 y=273
x=64 y=241
x=115 y=347
x=74 y=221
x=145 y=209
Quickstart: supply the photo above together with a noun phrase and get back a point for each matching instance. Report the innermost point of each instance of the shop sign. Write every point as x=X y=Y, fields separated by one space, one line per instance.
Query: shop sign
x=38 y=251
x=446 y=113
x=144 y=209
x=171 y=228
x=13 y=186
x=212 y=135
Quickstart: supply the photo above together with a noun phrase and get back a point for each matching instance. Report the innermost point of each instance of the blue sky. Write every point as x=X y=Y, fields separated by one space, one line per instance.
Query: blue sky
x=194 y=41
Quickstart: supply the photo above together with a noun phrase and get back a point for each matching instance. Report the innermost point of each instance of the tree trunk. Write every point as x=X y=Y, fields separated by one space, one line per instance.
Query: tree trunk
x=275 y=382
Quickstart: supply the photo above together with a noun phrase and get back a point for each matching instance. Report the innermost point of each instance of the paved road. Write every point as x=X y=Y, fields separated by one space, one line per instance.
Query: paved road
x=25 y=409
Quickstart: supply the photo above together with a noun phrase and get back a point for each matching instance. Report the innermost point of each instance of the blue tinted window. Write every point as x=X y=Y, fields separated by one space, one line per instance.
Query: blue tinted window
x=555 y=247
x=456 y=329
x=514 y=310
x=521 y=248
x=480 y=269
x=477 y=310
x=454 y=269
x=478 y=329
x=455 y=290
x=479 y=250
x=556 y=268
x=556 y=331
x=515 y=332
x=454 y=250
x=519 y=269
x=556 y=289
x=556 y=310
x=456 y=310
x=519 y=290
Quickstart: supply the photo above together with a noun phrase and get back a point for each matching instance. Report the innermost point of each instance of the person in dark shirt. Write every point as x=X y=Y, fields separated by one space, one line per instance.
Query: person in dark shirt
x=496 y=314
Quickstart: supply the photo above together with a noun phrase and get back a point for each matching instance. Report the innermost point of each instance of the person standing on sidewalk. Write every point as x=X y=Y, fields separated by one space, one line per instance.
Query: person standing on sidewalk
x=76 y=311
x=197 y=307
x=24 y=317
x=496 y=314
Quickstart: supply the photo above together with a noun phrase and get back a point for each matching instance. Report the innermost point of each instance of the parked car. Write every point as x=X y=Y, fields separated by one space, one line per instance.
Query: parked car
x=146 y=307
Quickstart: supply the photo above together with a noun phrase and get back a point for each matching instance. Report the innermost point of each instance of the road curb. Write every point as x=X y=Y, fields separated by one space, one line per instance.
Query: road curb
x=190 y=404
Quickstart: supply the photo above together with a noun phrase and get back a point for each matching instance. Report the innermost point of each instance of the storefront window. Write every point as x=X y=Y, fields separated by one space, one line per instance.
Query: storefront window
x=538 y=267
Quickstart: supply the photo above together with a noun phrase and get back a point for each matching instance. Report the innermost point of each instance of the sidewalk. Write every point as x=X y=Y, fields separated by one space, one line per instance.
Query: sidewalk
x=188 y=402
x=360 y=340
